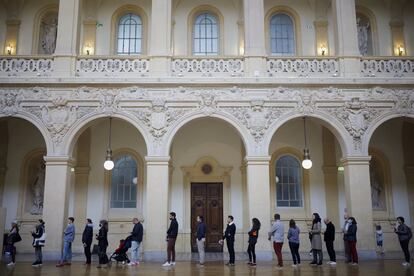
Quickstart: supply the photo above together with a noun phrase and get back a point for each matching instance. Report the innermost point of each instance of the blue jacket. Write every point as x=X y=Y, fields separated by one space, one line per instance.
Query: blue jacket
x=293 y=234
x=201 y=230
x=69 y=234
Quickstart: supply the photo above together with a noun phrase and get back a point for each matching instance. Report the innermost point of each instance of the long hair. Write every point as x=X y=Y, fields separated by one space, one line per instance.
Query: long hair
x=316 y=219
x=256 y=223
x=292 y=223
x=353 y=220
x=104 y=224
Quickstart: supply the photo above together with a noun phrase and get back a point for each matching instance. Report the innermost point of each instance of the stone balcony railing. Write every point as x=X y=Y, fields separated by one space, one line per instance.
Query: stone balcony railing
x=112 y=66
x=133 y=67
x=207 y=66
x=302 y=67
x=27 y=66
x=387 y=67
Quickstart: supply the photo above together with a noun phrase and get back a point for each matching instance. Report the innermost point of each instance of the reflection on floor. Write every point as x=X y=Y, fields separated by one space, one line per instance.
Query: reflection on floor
x=214 y=268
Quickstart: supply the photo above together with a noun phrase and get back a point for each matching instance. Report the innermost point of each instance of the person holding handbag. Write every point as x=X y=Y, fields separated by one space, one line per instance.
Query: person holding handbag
x=39 y=239
x=12 y=238
x=102 y=238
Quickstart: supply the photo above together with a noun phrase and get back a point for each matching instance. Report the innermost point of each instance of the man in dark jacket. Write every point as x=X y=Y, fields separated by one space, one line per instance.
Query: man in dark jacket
x=329 y=239
x=87 y=237
x=201 y=238
x=404 y=236
x=136 y=239
x=172 y=233
x=229 y=237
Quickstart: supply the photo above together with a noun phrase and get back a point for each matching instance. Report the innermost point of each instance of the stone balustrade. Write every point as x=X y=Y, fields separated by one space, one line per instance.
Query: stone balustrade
x=302 y=67
x=207 y=67
x=30 y=66
x=387 y=67
x=112 y=66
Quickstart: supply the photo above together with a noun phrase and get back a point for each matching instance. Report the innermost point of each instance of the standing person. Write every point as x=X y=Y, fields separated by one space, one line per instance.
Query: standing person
x=329 y=238
x=136 y=239
x=346 y=244
x=12 y=238
x=404 y=236
x=172 y=233
x=293 y=238
x=68 y=237
x=379 y=237
x=316 y=240
x=201 y=239
x=229 y=235
x=39 y=239
x=277 y=232
x=87 y=237
x=253 y=235
x=102 y=238
x=351 y=237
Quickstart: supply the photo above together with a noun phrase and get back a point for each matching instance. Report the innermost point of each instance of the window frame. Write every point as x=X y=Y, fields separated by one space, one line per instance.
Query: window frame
x=287 y=39
x=138 y=37
x=193 y=38
x=300 y=182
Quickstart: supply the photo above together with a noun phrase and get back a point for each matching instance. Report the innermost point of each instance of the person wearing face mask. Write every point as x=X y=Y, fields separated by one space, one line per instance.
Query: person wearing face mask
x=102 y=238
x=172 y=233
x=351 y=238
x=87 y=237
x=68 y=237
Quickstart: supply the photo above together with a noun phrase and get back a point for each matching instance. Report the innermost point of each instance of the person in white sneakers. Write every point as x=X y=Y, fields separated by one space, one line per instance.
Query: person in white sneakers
x=172 y=233
x=329 y=238
x=136 y=235
x=404 y=236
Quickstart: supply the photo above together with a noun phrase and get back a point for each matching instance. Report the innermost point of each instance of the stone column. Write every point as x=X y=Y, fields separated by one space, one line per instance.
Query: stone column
x=397 y=26
x=67 y=41
x=160 y=43
x=258 y=197
x=330 y=172
x=358 y=200
x=156 y=209
x=346 y=37
x=56 y=201
x=408 y=151
x=12 y=36
x=254 y=38
x=4 y=147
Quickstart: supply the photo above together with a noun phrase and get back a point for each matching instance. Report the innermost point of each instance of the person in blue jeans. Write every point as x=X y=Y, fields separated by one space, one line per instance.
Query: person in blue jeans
x=68 y=237
x=293 y=238
x=136 y=234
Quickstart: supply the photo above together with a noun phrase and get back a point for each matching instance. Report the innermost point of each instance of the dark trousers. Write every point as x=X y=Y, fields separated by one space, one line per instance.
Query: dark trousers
x=230 y=247
x=331 y=250
x=277 y=246
x=171 y=250
x=251 y=250
x=294 y=250
x=87 y=251
x=38 y=254
x=13 y=252
x=317 y=254
x=353 y=250
x=404 y=247
x=103 y=258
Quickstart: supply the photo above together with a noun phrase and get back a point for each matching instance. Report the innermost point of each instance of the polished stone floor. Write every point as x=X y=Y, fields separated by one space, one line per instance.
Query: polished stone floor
x=214 y=268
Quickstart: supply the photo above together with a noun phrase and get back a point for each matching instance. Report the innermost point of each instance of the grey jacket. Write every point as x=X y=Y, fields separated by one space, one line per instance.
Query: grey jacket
x=316 y=236
x=69 y=234
x=403 y=232
x=277 y=231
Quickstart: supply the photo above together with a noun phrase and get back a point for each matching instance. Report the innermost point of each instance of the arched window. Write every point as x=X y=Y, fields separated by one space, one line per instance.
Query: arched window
x=206 y=35
x=129 y=39
x=282 y=35
x=288 y=182
x=377 y=179
x=124 y=183
x=364 y=28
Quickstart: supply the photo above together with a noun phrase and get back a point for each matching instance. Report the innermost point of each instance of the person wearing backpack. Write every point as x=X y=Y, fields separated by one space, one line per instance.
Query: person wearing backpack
x=39 y=239
x=404 y=236
x=12 y=238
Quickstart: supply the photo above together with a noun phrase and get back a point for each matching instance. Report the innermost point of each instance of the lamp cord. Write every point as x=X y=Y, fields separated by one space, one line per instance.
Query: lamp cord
x=304 y=131
x=110 y=132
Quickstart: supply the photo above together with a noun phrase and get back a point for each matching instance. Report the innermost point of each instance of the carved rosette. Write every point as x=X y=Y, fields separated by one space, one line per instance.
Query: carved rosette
x=9 y=105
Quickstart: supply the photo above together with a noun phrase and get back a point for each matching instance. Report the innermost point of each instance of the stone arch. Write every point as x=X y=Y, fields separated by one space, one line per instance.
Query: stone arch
x=375 y=125
x=77 y=129
x=344 y=139
x=240 y=129
x=38 y=124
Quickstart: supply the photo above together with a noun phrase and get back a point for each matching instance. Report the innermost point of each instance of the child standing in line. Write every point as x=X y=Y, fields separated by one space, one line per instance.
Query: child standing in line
x=379 y=236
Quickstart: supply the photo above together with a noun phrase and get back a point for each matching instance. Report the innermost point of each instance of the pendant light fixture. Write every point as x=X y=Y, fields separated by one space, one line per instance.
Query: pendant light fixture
x=307 y=162
x=109 y=163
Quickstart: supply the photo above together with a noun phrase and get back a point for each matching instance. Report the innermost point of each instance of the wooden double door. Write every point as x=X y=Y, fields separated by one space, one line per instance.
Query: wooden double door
x=207 y=201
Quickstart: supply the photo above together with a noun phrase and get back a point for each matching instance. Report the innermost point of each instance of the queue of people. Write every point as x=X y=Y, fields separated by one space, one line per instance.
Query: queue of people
x=276 y=235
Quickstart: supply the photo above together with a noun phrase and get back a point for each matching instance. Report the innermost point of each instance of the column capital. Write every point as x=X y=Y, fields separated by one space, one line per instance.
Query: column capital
x=396 y=23
x=82 y=170
x=157 y=160
x=355 y=160
x=321 y=23
x=56 y=160
x=257 y=160
x=13 y=22
x=330 y=169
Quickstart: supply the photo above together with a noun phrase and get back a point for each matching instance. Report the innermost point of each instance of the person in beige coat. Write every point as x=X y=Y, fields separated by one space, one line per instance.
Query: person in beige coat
x=316 y=240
